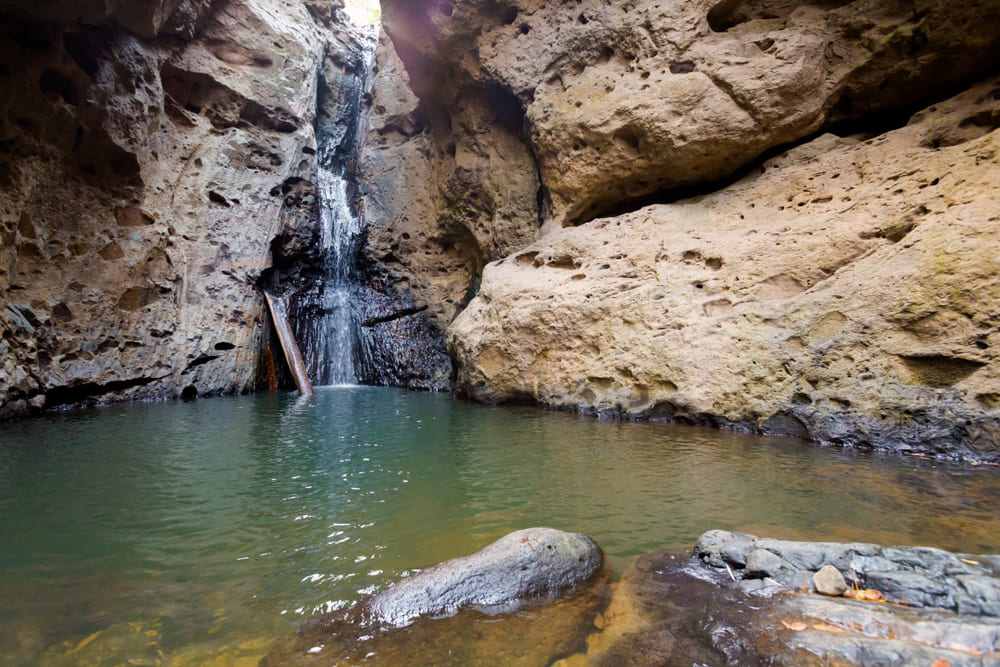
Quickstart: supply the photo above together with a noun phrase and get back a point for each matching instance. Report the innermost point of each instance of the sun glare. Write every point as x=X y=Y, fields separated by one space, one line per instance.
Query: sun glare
x=363 y=12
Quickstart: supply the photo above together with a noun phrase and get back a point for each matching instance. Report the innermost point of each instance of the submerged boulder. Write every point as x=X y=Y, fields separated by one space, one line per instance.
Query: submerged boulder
x=458 y=612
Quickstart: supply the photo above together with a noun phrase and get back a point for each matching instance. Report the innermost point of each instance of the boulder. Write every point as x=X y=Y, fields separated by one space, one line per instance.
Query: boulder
x=462 y=611
x=527 y=565
x=829 y=581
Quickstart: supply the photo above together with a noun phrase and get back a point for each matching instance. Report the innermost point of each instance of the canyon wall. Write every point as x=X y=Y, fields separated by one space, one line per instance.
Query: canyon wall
x=767 y=215
x=152 y=154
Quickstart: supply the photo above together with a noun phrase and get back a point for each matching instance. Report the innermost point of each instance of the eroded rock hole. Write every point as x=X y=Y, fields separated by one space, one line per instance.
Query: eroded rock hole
x=55 y=82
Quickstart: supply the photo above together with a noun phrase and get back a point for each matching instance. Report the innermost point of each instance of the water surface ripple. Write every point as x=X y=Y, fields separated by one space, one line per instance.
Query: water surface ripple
x=181 y=533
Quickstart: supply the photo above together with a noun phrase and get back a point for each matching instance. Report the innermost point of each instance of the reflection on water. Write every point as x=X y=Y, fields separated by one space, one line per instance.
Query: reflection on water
x=187 y=533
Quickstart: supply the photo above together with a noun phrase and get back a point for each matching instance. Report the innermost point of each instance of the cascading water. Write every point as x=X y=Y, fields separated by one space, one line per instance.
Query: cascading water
x=326 y=314
x=334 y=337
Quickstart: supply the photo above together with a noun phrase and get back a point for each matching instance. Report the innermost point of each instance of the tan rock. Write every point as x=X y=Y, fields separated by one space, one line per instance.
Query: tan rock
x=624 y=100
x=526 y=114
x=829 y=581
x=142 y=181
x=846 y=290
x=447 y=185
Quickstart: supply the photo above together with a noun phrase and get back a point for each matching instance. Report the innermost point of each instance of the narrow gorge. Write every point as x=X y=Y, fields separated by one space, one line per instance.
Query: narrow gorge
x=675 y=317
x=765 y=215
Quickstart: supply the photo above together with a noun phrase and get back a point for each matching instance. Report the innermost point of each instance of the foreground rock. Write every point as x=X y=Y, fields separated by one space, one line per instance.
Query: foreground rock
x=914 y=576
x=718 y=608
x=461 y=611
x=846 y=291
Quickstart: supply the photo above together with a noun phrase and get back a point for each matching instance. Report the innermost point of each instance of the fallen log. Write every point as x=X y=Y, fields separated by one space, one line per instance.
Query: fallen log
x=287 y=338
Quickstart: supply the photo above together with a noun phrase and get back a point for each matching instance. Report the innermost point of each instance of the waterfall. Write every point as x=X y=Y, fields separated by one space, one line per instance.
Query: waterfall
x=336 y=340
x=326 y=314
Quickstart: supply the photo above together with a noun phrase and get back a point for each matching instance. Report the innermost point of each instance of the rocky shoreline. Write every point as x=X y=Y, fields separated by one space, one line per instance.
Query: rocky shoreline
x=735 y=599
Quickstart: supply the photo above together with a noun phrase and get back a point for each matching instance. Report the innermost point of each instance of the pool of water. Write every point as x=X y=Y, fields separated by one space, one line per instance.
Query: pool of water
x=197 y=533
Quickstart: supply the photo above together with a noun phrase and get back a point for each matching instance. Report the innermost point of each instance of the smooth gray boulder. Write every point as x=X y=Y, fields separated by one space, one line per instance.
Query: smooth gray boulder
x=535 y=563
x=457 y=612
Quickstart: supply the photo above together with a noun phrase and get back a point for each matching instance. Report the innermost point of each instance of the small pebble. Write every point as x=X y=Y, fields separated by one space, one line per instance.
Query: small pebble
x=829 y=581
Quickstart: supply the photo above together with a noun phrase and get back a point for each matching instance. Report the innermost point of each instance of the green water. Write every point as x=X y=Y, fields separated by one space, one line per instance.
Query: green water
x=197 y=533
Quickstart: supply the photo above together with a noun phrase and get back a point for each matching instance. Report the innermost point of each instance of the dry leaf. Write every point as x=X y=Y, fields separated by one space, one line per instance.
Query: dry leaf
x=970 y=562
x=797 y=626
x=869 y=594
x=940 y=662
x=823 y=627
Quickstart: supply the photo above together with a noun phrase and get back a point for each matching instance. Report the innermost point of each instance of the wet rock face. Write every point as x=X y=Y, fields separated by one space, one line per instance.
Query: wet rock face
x=150 y=153
x=461 y=611
x=719 y=608
x=845 y=290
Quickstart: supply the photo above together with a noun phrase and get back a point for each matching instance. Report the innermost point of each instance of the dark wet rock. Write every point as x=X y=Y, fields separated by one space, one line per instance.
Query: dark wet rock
x=671 y=609
x=462 y=611
x=401 y=345
x=919 y=576
x=667 y=611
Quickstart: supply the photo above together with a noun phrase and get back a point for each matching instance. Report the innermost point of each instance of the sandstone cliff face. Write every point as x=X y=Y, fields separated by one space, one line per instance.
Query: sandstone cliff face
x=149 y=155
x=847 y=291
x=625 y=100
x=831 y=291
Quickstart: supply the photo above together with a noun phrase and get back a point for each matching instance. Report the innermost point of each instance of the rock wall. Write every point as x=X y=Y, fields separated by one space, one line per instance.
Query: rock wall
x=846 y=291
x=150 y=155
x=737 y=222
x=447 y=183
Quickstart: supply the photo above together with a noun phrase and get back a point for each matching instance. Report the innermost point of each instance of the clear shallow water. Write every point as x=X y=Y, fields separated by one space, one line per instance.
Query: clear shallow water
x=197 y=533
